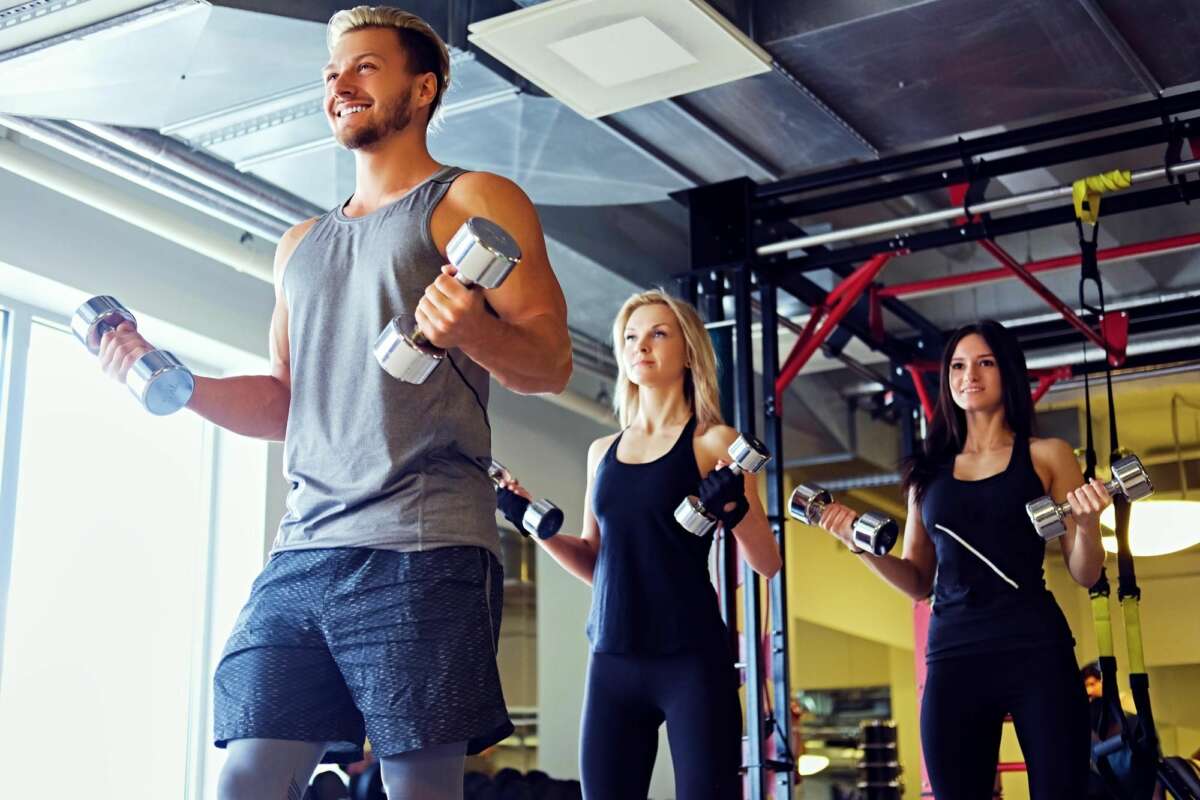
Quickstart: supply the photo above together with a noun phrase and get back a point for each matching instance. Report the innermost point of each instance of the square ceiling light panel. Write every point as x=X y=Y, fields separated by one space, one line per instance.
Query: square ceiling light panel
x=113 y=61
x=604 y=56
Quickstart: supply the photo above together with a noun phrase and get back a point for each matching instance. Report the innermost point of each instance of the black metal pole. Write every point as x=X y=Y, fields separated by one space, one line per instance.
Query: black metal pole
x=685 y=287
x=751 y=616
x=722 y=341
x=981 y=145
x=781 y=785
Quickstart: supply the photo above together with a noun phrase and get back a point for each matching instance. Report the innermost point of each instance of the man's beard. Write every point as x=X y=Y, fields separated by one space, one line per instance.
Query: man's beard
x=396 y=117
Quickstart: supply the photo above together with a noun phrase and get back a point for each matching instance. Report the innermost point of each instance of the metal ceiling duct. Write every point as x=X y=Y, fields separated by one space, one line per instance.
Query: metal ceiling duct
x=79 y=144
x=204 y=169
x=150 y=217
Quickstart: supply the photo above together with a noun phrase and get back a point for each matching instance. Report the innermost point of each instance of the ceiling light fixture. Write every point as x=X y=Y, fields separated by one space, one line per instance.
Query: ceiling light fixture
x=603 y=56
x=1156 y=527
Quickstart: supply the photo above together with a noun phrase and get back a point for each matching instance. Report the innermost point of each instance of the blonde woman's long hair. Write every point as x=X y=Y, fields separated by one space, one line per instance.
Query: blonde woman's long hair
x=425 y=49
x=699 y=379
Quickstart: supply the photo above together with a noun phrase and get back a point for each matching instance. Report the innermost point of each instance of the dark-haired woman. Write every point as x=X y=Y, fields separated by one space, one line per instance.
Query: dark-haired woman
x=998 y=643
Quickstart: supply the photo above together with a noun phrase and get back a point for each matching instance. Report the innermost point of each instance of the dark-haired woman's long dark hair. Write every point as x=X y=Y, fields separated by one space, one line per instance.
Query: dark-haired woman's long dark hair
x=948 y=429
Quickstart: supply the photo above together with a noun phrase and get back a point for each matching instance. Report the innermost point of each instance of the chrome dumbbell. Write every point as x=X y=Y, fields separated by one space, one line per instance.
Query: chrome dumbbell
x=870 y=531
x=746 y=454
x=539 y=518
x=158 y=380
x=483 y=254
x=1128 y=478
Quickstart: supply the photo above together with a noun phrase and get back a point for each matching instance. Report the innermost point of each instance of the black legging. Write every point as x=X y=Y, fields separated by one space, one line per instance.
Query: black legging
x=629 y=697
x=962 y=714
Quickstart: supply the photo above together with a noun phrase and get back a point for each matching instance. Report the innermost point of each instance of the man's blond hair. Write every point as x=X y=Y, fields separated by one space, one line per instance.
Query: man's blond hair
x=425 y=49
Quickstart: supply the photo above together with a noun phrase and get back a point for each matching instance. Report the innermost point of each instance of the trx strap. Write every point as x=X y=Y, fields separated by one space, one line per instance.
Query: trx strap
x=1086 y=192
x=1135 y=777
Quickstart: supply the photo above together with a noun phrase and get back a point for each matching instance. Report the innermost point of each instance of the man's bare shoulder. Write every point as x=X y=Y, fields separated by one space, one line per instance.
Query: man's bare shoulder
x=475 y=192
x=289 y=242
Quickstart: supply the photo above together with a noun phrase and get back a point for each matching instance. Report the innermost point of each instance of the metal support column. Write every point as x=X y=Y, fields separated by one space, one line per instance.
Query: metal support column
x=756 y=769
x=781 y=785
x=722 y=341
x=719 y=228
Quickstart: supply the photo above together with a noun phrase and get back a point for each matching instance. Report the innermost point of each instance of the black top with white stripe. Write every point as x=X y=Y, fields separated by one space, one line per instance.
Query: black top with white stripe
x=990 y=593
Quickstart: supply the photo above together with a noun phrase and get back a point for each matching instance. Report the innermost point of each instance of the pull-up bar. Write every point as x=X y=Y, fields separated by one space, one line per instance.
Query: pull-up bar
x=966 y=210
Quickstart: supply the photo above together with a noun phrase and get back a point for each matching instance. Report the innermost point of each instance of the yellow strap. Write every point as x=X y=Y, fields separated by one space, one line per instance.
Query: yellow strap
x=1086 y=192
x=1133 y=635
x=1103 y=622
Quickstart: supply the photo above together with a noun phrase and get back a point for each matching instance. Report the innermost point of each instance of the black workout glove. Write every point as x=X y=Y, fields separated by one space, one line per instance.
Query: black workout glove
x=721 y=487
x=512 y=506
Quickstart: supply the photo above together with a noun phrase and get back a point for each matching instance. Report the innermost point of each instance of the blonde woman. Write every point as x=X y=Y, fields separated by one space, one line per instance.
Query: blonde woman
x=659 y=649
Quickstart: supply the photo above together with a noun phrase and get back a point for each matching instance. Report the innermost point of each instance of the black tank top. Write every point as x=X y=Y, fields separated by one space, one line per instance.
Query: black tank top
x=651 y=592
x=975 y=609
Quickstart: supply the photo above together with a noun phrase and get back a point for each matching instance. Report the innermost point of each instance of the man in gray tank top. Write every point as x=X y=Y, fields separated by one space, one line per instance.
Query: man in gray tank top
x=378 y=612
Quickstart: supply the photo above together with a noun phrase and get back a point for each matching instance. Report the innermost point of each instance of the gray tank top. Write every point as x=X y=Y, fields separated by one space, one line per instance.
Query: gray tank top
x=372 y=461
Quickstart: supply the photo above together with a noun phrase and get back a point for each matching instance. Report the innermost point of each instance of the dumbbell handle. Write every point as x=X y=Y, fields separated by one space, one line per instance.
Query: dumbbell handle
x=1112 y=486
x=818 y=507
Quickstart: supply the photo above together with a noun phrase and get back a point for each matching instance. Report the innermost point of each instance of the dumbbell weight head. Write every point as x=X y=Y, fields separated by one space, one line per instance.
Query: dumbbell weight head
x=160 y=382
x=542 y=519
x=694 y=517
x=874 y=533
x=410 y=359
x=1129 y=478
x=96 y=317
x=807 y=502
x=483 y=255
x=748 y=454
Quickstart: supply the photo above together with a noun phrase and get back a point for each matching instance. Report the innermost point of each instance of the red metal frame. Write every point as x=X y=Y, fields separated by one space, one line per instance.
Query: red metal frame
x=1115 y=355
x=827 y=315
x=1113 y=337
x=1046 y=379
x=916 y=370
x=1123 y=252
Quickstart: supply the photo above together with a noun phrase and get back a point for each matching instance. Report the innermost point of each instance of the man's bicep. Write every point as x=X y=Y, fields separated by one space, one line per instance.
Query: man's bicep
x=531 y=290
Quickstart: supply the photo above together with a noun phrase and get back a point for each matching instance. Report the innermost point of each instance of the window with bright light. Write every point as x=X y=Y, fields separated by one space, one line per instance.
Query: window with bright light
x=134 y=539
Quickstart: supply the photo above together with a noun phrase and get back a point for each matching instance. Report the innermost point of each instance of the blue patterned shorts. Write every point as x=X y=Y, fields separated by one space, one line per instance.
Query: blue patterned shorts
x=339 y=643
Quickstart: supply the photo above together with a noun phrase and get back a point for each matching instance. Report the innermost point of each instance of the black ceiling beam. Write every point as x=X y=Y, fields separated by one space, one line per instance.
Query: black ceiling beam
x=1145 y=318
x=981 y=145
x=941 y=179
x=1158 y=359
x=719 y=233
x=1120 y=203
